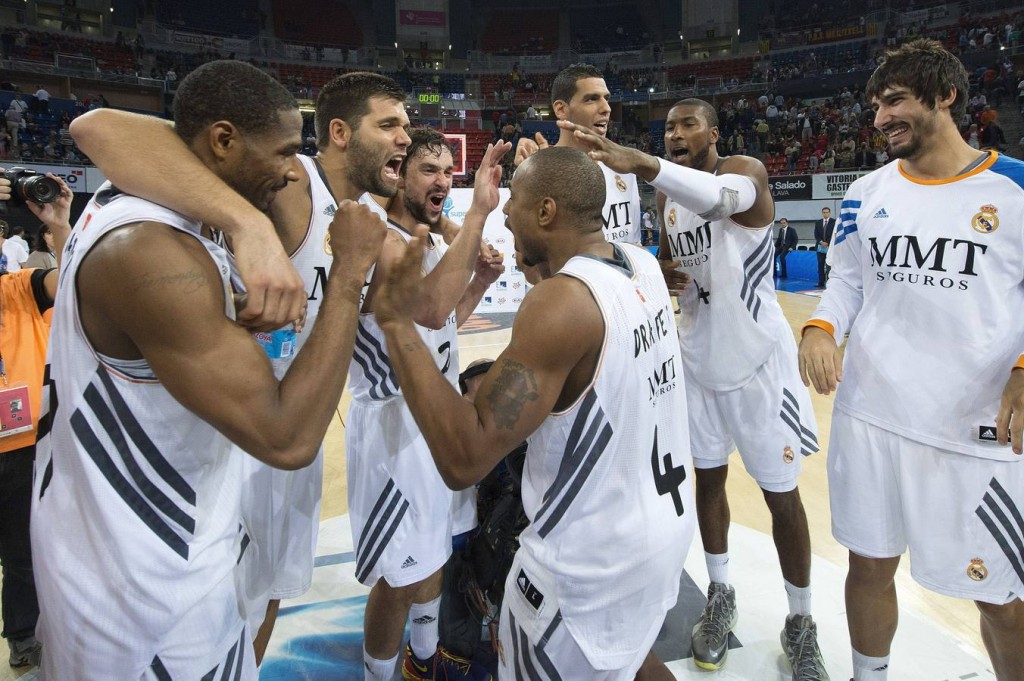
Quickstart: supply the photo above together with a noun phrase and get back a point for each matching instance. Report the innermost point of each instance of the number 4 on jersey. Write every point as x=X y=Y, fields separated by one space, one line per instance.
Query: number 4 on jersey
x=669 y=481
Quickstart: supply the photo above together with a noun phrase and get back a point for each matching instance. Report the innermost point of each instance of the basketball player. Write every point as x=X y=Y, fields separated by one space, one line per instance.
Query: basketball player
x=739 y=359
x=927 y=282
x=607 y=457
x=580 y=95
x=149 y=383
x=361 y=132
x=400 y=509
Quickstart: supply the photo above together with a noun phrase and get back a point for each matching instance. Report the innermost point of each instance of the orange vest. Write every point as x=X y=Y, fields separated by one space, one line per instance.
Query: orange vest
x=23 y=338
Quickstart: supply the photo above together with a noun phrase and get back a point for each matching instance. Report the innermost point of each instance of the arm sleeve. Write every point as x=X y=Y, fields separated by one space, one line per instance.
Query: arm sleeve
x=713 y=197
x=842 y=300
x=43 y=301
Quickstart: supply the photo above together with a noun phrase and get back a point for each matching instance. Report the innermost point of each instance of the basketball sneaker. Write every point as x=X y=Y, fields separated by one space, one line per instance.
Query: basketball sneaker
x=442 y=666
x=800 y=642
x=710 y=639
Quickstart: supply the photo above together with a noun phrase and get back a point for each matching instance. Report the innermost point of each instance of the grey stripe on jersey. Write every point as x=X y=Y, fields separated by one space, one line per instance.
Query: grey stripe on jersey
x=1009 y=534
x=577 y=463
x=92 y=445
x=523 y=665
x=144 y=444
x=383 y=524
x=380 y=362
x=790 y=415
x=160 y=670
x=153 y=494
x=755 y=268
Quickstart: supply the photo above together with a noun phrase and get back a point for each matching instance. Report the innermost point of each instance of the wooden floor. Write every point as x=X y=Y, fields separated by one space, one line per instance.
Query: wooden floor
x=958 y=617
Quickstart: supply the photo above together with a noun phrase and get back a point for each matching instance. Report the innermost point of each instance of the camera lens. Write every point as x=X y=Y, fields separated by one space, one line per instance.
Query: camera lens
x=39 y=189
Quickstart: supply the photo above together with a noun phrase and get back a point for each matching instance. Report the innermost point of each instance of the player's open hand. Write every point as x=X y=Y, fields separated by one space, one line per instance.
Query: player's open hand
x=1010 y=421
x=820 y=362
x=275 y=295
x=399 y=295
x=617 y=157
x=527 y=147
x=488 y=178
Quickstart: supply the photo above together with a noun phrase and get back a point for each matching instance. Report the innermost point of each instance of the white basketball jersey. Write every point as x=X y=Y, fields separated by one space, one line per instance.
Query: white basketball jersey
x=729 y=316
x=607 y=484
x=135 y=499
x=371 y=376
x=928 y=280
x=621 y=206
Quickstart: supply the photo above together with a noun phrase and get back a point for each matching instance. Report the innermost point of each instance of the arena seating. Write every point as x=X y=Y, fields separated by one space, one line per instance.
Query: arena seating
x=525 y=31
x=329 y=23
x=238 y=18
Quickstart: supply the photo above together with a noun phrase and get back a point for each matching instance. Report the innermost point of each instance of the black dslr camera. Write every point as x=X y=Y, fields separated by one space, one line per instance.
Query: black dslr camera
x=28 y=185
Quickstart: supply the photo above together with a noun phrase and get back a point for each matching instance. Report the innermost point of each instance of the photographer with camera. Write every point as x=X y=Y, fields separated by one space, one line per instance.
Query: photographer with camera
x=24 y=296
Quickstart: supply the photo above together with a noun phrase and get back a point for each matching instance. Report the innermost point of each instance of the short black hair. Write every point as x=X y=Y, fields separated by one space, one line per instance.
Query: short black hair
x=425 y=139
x=572 y=179
x=347 y=97
x=710 y=113
x=928 y=70
x=229 y=90
x=564 y=85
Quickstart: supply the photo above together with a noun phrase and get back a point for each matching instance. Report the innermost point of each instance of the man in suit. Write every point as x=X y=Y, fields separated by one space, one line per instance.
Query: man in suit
x=823 y=229
x=784 y=245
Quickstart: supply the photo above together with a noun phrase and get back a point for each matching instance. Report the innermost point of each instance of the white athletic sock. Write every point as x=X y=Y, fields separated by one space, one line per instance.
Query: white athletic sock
x=870 y=668
x=799 y=599
x=718 y=567
x=379 y=670
x=423 y=628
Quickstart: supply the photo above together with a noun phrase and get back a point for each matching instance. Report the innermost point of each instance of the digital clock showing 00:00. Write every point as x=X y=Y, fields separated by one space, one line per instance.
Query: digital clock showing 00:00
x=429 y=98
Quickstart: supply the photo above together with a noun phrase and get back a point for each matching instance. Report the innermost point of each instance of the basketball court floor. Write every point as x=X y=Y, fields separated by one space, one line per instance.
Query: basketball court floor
x=319 y=636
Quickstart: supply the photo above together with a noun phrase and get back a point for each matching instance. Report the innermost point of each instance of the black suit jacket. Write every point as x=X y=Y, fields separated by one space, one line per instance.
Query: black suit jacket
x=823 y=232
x=786 y=240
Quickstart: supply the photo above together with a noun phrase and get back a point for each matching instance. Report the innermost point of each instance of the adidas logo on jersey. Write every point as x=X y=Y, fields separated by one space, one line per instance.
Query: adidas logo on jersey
x=330 y=210
x=987 y=433
x=881 y=213
x=409 y=562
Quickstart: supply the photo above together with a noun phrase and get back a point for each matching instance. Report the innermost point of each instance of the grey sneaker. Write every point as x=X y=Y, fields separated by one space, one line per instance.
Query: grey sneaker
x=800 y=642
x=27 y=651
x=710 y=638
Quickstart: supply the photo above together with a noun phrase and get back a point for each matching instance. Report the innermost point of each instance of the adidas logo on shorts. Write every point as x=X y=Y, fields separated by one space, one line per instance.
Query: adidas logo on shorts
x=409 y=562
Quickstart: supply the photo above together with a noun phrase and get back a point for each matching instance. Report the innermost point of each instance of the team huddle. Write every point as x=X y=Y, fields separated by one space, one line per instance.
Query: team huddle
x=180 y=463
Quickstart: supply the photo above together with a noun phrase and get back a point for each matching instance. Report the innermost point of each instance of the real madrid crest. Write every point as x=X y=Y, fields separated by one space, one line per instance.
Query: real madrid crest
x=986 y=221
x=977 y=570
x=672 y=218
x=620 y=184
x=788 y=455
x=327 y=244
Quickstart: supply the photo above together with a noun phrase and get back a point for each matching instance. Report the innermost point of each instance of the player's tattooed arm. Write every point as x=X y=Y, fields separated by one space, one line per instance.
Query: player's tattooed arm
x=512 y=389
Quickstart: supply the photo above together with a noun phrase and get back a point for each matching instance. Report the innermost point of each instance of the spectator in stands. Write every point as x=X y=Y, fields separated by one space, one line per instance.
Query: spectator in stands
x=992 y=137
x=829 y=161
x=971 y=136
x=44 y=253
x=42 y=100
x=12 y=253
